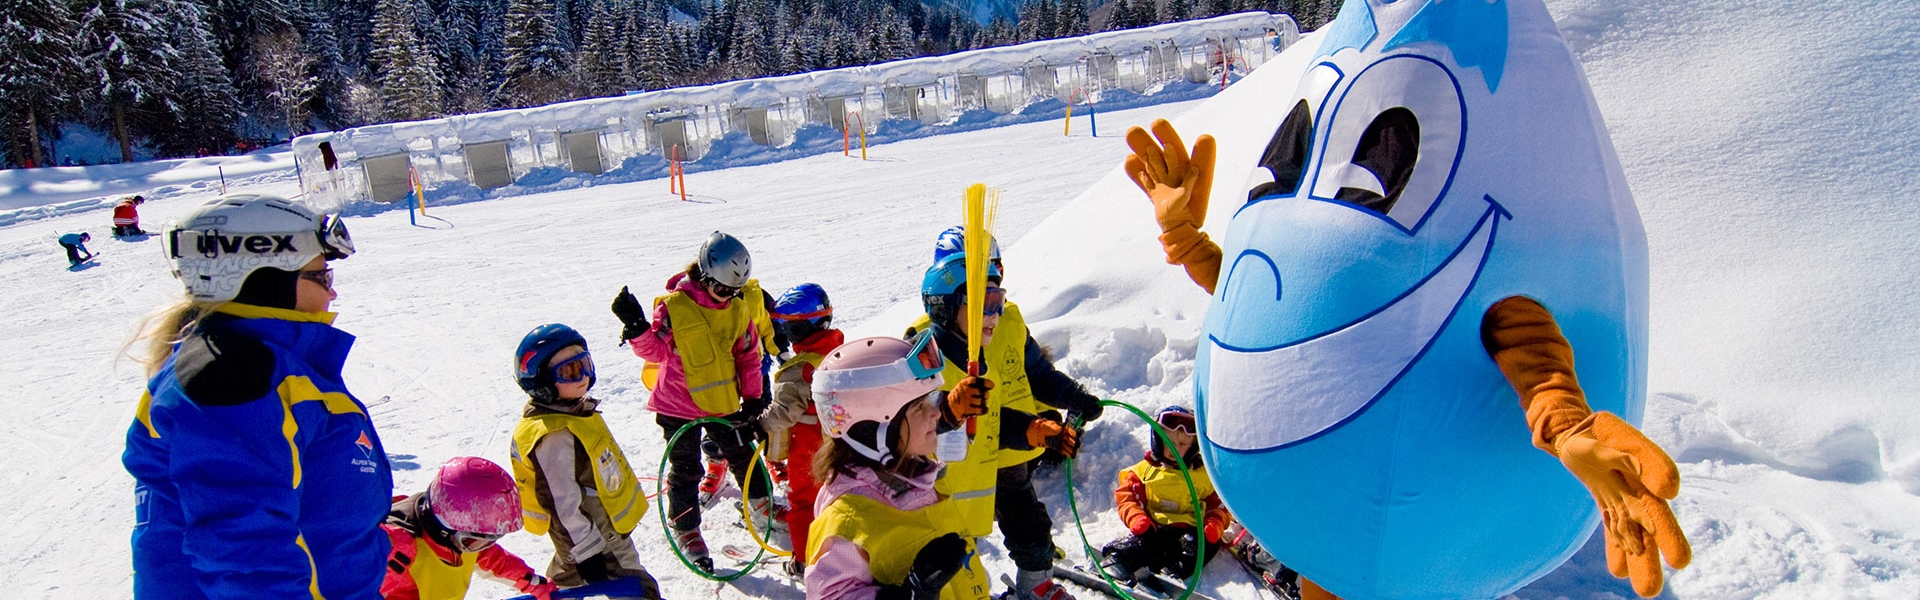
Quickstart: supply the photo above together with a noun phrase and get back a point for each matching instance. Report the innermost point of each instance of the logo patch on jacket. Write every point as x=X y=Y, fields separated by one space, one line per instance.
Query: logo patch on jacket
x=366 y=445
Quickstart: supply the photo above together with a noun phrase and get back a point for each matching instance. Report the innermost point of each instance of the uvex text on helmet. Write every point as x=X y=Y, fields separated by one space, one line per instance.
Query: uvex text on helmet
x=724 y=260
x=214 y=248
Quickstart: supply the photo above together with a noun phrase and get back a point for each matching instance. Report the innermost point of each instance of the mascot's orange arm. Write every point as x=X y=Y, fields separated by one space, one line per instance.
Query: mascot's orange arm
x=1190 y=248
x=1630 y=477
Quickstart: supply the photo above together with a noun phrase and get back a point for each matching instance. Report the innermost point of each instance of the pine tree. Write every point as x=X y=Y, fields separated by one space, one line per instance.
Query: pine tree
x=1215 y=8
x=1179 y=10
x=1073 y=18
x=656 y=65
x=129 y=58
x=603 y=57
x=408 y=74
x=286 y=72
x=536 y=67
x=1145 y=13
x=39 y=78
x=204 y=91
x=328 y=71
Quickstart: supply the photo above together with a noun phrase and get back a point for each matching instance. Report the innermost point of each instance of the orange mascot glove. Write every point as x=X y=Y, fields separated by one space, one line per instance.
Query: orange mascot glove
x=1630 y=477
x=1179 y=186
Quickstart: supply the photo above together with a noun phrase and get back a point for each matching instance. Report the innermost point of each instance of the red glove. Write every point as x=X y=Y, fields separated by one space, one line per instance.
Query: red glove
x=1213 y=529
x=968 y=398
x=538 y=586
x=1139 y=524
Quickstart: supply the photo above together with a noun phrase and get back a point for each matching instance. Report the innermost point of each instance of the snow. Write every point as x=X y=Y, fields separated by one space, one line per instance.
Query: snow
x=1768 y=146
x=30 y=194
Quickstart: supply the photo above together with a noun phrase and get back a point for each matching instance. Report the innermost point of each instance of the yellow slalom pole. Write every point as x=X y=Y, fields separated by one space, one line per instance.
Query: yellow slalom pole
x=419 y=195
x=1067 y=128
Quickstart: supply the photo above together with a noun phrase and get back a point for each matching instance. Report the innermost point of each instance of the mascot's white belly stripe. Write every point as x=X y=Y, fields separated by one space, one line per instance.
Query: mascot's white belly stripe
x=1310 y=386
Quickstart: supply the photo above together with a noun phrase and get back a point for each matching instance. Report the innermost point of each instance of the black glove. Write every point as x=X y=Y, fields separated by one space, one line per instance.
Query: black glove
x=936 y=564
x=597 y=568
x=631 y=314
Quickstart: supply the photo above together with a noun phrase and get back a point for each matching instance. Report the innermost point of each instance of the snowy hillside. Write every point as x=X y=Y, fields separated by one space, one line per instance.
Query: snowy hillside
x=1769 y=148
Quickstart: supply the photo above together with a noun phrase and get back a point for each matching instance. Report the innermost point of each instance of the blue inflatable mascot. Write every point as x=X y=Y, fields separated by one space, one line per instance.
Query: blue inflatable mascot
x=1386 y=383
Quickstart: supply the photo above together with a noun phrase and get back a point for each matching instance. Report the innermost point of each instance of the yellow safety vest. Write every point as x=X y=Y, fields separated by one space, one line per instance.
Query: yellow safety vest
x=438 y=580
x=613 y=479
x=891 y=538
x=1167 y=497
x=756 y=302
x=703 y=337
x=970 y=483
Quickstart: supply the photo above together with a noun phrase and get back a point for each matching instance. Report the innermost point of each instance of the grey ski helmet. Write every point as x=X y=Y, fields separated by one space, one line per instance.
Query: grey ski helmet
x=724 y=260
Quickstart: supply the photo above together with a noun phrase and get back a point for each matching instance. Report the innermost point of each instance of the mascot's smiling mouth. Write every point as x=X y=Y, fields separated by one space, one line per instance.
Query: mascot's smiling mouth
x=1304 y=391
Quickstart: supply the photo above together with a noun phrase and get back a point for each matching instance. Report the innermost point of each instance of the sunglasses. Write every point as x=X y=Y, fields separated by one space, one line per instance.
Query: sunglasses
x=324 y=277
x=574 y=370
x=1178 y=422
x=996 y=303
x=474 y=542
x=924 y=360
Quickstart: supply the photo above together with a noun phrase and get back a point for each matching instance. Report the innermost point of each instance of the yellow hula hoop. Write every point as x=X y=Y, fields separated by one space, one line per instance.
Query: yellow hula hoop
x=747 y=517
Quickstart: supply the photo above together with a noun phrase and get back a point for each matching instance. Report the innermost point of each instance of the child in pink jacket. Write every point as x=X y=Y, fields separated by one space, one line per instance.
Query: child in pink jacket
x=704 y=317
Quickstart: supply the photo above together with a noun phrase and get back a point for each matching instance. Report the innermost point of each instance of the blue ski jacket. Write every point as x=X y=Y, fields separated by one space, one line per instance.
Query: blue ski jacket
x=256 y=474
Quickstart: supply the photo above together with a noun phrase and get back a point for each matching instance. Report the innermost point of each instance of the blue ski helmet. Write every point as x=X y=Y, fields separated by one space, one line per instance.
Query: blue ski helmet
x=954 y=241
x=530 y=366
x=944 y=288
x=803 y=311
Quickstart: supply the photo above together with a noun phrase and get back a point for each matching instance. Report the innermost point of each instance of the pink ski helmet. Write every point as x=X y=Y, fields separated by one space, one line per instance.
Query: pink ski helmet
x=871 y=379
x=473 y=495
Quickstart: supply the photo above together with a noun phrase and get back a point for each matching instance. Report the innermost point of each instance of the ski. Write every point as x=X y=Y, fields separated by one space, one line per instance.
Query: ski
x=744 y=554
x=1265 y=569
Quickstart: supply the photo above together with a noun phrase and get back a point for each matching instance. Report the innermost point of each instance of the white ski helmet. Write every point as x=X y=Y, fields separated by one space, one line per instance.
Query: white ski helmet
x=215 y=248
x=868 y=381
x=725 y=261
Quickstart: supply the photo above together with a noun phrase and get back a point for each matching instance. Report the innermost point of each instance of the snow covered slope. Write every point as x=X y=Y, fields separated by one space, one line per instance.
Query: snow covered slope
x=1769 y=148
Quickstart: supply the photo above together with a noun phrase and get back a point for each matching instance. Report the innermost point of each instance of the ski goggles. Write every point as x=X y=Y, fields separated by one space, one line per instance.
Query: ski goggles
x=996 y=303
x=924 y=359
x=1180 y=422
x=335 y=242
x=722 y=291
x=474 y=542
x=324 y=277
x=574 y=370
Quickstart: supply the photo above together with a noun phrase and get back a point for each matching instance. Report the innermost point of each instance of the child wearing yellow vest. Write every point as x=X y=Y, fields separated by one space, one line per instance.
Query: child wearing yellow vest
x=575 y=484
x=1154 y=502
x=442 y=535
x=706 y=342
x=881 y=530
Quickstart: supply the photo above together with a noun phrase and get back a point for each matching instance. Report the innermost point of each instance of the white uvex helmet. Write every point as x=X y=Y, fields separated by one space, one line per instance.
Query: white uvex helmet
x=215 y=248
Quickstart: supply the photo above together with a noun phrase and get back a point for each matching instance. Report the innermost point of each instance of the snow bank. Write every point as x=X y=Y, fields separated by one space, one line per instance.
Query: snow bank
x=27 y=194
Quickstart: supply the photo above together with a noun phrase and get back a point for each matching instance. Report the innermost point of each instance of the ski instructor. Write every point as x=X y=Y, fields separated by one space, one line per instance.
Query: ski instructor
x=256 y=473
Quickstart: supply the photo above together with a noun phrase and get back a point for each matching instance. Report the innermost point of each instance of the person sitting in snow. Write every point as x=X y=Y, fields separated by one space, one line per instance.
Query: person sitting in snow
x=1158 y=509
x=575 y=484
x=76 y=245
x=126 y=217
x=439 y=536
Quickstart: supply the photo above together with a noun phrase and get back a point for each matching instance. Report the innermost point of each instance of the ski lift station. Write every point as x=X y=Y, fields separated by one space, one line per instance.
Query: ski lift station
x=380 y=163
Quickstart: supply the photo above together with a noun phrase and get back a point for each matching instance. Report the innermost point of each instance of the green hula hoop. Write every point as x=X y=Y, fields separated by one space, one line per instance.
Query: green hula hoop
x=659 y=488
x=1199 y=509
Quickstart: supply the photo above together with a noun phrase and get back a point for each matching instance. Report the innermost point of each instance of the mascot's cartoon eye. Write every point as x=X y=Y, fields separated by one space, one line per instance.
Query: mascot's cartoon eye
x=1393 y=140
x=1388 y=150
x=1285 y=160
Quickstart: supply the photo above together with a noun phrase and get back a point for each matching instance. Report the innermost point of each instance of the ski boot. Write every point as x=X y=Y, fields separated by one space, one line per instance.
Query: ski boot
x=1035 y=585
x=713 y=482
x=694 y=547
x=770 y=520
